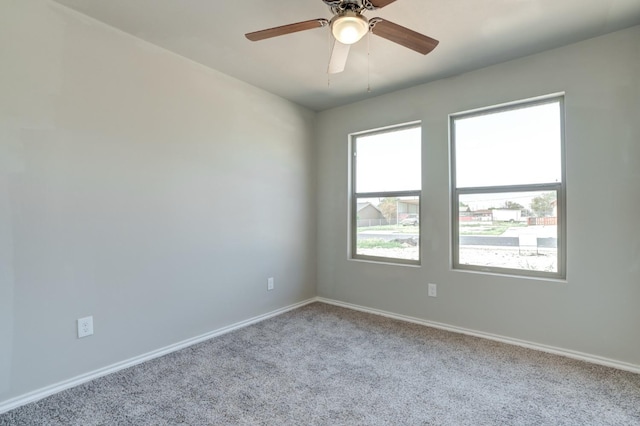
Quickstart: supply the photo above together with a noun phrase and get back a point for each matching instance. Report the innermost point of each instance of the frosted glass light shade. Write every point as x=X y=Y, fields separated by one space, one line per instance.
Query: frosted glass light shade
x=349 y=27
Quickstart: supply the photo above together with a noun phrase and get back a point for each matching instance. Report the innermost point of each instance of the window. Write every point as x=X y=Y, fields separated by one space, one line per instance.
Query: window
x=509 y=190
x=385 y=194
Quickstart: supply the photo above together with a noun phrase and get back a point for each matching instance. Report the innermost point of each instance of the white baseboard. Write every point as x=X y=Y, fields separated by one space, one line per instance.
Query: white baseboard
x=594 y=359
x=83 y=378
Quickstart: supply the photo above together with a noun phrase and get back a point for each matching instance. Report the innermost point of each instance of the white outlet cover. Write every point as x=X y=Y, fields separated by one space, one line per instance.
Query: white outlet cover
x=432 y=290
x=85 y=327
x=270 y=283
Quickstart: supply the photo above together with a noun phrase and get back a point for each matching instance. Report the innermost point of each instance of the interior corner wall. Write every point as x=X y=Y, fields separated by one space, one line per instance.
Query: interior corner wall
x=140 y=188
x=596 y=310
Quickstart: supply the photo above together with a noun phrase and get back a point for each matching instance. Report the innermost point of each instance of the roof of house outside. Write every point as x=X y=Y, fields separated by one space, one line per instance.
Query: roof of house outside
x=363 y=205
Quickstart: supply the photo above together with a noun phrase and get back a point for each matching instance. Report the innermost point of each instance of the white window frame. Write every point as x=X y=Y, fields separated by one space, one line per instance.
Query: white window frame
x=353 y=213
x=558 y=187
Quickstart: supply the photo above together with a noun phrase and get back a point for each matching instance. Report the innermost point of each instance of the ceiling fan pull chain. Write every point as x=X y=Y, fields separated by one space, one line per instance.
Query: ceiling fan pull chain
x=369 y=62
x=330 y=44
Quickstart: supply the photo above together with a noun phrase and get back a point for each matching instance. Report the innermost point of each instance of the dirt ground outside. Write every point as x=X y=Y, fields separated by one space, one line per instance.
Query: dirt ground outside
x=504 y=257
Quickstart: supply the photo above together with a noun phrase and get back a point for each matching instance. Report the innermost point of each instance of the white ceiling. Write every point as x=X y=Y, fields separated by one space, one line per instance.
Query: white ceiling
x=472 y=34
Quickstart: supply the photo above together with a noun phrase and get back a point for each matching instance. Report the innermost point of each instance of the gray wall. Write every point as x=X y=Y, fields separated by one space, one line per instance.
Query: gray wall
x=596 y=310
x=140 y=188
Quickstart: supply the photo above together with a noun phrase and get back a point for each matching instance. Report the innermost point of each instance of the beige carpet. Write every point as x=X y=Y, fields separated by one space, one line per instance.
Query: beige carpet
x=324 y=365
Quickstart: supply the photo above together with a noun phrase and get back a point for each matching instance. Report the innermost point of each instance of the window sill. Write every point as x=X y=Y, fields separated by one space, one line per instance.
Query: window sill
x=506 y=275
x=385 y=262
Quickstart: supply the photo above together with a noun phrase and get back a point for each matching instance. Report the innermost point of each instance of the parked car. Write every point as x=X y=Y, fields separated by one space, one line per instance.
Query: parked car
x=412 y=220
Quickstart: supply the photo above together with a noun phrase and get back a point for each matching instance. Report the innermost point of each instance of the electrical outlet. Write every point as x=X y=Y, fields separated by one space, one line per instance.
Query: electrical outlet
x=432 y=290
x=85 y=327
x=270 y=283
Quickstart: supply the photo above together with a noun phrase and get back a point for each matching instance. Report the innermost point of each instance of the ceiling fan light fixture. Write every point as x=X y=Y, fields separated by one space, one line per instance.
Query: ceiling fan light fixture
x=349 y=27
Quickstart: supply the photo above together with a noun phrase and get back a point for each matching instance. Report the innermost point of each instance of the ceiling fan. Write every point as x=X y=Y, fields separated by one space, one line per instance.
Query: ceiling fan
x=348 y=26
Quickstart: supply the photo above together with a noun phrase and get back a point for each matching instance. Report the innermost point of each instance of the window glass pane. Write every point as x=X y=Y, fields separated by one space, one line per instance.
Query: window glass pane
x=388 y=161
x=509 y=230
x=388 y=227
x=516 y=147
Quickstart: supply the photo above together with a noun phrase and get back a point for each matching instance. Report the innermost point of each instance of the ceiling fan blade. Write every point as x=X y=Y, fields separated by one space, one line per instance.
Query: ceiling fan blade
x=287 y=29
x=339 y=55
x=403 y=36
x=378 y=4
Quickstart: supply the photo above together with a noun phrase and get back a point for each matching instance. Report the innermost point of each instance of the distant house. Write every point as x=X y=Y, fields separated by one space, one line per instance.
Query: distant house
x=367 y=211
x=407 y=207
x=476 y=215
x=506 y=215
